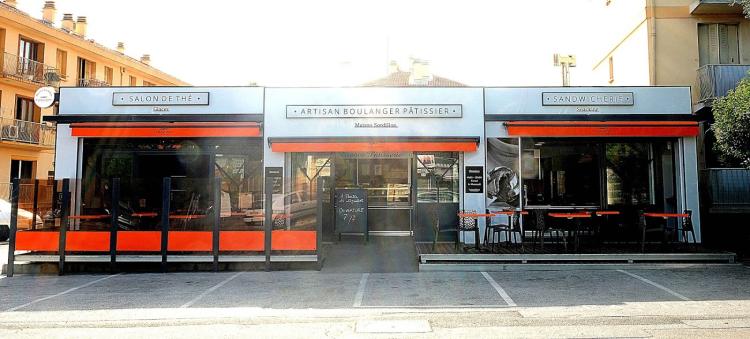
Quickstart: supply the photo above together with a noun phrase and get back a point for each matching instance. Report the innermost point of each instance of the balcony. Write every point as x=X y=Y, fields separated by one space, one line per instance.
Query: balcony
x=92 y=83
x=27 y=70
x=702 y=7
x=27 y=132
x=714 y=81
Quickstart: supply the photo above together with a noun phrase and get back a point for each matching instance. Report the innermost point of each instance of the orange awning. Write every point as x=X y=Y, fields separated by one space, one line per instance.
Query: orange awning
x=374 y=145
x=165 y=129
x=602 y=128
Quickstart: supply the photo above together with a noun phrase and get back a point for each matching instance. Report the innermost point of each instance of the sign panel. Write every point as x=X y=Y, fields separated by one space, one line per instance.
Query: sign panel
x=350 y=205
x=276 y=175
x=474 y=179
x=160 y=98
x=374 y=111
x=587 y=99
x=44 y=97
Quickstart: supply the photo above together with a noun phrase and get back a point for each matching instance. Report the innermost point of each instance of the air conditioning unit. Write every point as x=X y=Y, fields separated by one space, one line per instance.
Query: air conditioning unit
x=12 y=132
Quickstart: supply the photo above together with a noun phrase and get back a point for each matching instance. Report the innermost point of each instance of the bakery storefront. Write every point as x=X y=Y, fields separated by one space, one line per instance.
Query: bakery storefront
x=621 y=157
x=186 y=174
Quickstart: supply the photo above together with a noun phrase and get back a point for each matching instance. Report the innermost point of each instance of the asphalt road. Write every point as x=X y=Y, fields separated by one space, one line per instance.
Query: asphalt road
x=684 y=302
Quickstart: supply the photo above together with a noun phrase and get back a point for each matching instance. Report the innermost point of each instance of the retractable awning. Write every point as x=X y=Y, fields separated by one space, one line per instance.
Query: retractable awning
x=602 y=128
x=165 y=129
x=384 y=144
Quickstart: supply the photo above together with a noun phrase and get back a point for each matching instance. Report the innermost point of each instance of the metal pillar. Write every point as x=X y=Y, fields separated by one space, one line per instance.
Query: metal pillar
x=13 y=226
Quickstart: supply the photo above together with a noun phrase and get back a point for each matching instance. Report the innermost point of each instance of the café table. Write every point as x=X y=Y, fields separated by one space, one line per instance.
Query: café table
x=476 y=217
x=663 y=215
x=576 y=217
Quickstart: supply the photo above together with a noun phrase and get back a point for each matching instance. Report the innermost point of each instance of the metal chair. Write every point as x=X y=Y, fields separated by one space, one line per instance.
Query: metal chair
x=540 y=227
x=469 y=224
x=687 y=227
x=490 y=230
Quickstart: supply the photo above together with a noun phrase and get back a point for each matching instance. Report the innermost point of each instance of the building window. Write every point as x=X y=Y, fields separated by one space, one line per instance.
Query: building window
x=86 y=70
x=21 y=169
x=611 y=70
x=26 y=110
x=718 y=44
x=147 y=83
x=62 y=63
x=108 y=75
x=133 y=81
x=31 y=50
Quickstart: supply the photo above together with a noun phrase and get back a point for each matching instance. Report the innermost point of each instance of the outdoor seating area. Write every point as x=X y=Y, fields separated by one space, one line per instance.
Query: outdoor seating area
x=571 y=231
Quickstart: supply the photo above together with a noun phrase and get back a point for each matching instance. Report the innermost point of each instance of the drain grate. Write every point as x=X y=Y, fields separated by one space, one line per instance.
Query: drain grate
x=393 y=326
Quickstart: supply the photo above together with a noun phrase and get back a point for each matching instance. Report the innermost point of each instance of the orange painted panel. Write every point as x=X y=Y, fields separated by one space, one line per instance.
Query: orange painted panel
x=139 y=241
x=294 y=240
x=374 y=147
x=241 y=240
x=37 y=241
x=603 y=128
x=151 y=130
x=190 y=241
x=84 y=241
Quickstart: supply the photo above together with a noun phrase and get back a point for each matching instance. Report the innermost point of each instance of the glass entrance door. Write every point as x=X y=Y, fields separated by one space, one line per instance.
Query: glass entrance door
x=388 y=182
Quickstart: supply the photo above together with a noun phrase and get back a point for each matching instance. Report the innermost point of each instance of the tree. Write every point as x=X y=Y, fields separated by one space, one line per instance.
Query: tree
x=745 y=6
x=732 y=123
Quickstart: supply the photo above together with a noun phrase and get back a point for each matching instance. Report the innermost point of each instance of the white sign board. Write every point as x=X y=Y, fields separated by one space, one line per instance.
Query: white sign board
x=44 y=97
x=160 y=98
x=374 y=111
x=587 y=99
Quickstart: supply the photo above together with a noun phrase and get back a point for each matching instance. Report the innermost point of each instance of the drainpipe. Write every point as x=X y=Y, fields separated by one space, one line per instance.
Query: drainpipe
x=651 y=23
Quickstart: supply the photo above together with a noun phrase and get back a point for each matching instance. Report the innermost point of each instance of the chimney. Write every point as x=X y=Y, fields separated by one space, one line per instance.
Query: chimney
x=420 y=72
x=67 y=22
x=121 y=47
x=81 y=26
x=146 y=59
x=11 y=3
x=393 y=67
x=49 y=11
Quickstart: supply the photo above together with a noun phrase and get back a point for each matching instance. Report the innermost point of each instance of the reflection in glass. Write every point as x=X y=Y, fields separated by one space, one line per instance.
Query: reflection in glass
x=437 y=178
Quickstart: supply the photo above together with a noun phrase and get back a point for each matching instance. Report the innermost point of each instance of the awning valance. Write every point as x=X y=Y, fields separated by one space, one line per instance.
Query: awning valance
x=602 y=128
x=385 y=144
x=165 y=130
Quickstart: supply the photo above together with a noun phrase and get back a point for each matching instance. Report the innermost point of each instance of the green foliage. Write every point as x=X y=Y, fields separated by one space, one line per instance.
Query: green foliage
x=745 y=6
x=732 y=123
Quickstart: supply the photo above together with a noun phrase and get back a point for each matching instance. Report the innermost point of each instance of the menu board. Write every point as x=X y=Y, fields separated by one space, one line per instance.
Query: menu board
x=351 y=210
x=474 y=179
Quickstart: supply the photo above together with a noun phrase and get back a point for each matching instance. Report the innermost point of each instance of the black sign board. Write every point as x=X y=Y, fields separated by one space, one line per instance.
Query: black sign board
x=276 y=174
x=350 y=205
x=474 y=179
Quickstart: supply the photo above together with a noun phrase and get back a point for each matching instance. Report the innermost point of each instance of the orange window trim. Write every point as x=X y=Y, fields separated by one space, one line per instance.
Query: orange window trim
x=241 y=240
x=37 y=241
x=373 y=146
x=138 y=241
x=85 y=241
x=294 y=240
x=603 y=128
x=151 y=130
x=189 y=241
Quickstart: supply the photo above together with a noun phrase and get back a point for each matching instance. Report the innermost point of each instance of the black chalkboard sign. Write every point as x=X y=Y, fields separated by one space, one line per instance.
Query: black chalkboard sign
x=350 y=205
x=474 y=179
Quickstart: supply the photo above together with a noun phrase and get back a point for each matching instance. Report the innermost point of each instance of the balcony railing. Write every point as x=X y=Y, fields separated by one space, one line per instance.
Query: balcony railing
x=715 y=81
x=728 y=188
x=92 y=83
x=28 y=70
x=27 y=132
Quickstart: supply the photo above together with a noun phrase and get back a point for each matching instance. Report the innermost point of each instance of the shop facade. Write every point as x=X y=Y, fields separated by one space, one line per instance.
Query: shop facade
x=185 y=173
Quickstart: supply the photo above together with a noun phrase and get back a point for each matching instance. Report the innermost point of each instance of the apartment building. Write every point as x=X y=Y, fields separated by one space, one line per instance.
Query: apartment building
x=704 y=44
x=41 y=52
